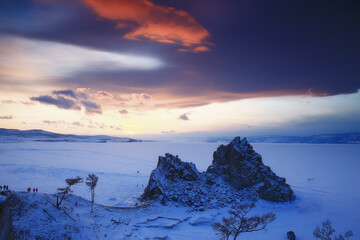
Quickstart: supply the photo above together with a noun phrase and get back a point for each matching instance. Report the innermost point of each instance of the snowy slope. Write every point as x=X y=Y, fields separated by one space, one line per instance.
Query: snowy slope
x=15 y=135
x=324 y=177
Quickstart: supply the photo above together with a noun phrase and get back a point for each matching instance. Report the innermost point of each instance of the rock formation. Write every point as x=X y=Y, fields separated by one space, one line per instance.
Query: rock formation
x=236 y=174
x=238 y=164
x=170 y=169
x=181 y=183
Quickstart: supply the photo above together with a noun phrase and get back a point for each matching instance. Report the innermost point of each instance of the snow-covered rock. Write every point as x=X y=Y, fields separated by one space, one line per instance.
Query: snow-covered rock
x=2 y=198
x=180 y=182
x=200 y=219
x=237 y=174
x=169 y=169
x=238 y=164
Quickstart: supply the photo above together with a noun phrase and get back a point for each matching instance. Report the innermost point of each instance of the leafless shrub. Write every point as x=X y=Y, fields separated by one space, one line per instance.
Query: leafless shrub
x=239 y=222
x=326 y=231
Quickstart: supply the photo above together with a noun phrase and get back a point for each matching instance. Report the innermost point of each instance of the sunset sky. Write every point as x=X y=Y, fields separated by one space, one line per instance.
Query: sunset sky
x=169 y=67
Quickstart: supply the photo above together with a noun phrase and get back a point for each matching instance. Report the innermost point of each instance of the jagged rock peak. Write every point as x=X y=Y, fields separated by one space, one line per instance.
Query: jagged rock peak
x=170 y=169
x=176 y=170
x=238 y=164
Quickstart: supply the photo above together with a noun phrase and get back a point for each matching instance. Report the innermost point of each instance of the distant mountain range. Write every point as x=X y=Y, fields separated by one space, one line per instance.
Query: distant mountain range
x=37 y=135
x=15 y=135
x=343 y=138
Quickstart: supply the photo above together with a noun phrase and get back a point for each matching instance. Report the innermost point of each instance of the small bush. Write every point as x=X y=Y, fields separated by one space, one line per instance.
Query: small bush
x=239 y=222
x=326 y=231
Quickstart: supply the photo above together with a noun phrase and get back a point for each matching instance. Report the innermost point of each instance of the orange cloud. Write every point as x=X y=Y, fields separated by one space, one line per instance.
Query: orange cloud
x=157 y=23
x=195 y=49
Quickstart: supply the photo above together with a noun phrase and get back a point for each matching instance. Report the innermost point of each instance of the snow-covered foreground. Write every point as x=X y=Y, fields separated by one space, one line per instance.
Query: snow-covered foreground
x=325 y=179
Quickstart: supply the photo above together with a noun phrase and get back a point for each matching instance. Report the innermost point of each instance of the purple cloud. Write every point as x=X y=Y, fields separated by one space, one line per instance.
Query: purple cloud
x=50 y=122
x=123 y=111
x=78 y=124
x=146 y=96
x=184 y=117
x=68 y=93
x=58 y=101
x=6 y=117
x=91 y=107
x=67 y=99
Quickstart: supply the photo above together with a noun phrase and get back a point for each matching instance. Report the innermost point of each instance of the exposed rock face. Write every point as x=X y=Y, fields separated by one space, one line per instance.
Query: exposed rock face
x=238 y=164
x=170 y=169
x=236 y=174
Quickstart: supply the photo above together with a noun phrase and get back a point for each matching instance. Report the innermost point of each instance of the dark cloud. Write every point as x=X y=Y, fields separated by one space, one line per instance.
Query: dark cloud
x=82 y=95
x=6 y=117
x=184 y=117
x=58 y=101
x=263 y=48
x=68 y=93
x=67 y=99
x=91 y=107
x=123 y=111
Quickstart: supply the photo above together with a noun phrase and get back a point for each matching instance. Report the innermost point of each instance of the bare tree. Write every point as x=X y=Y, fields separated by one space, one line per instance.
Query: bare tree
x=238 y=222
x=91 y=181
x=326 y=231
x=65 y=191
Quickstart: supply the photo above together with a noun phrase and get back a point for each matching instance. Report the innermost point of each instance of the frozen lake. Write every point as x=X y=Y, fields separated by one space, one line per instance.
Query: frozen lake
x=325 y=178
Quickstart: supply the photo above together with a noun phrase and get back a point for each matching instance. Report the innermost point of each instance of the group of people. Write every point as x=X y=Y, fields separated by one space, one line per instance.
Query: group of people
x=35 y=190
x=5 y=187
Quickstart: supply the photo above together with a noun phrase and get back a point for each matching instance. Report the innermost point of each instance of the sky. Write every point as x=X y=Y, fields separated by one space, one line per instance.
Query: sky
x=168 y=68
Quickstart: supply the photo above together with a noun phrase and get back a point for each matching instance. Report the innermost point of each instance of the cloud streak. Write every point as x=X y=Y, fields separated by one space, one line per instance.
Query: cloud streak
x=24 y=60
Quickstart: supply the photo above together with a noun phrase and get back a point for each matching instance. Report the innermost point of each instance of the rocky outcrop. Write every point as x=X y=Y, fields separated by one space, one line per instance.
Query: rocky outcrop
x=181 y=183
x=236 y=174
x=238 y=164
x=170 y=169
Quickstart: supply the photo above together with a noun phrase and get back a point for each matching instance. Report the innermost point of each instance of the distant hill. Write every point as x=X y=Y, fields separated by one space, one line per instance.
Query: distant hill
x=15 y=135
x=343 y=138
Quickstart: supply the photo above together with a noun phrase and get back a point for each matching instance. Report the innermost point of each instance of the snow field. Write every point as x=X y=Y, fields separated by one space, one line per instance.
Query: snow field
x=324 y=177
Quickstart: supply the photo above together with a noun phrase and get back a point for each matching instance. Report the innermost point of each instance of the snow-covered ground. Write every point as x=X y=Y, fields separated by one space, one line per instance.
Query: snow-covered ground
x=325 y=179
